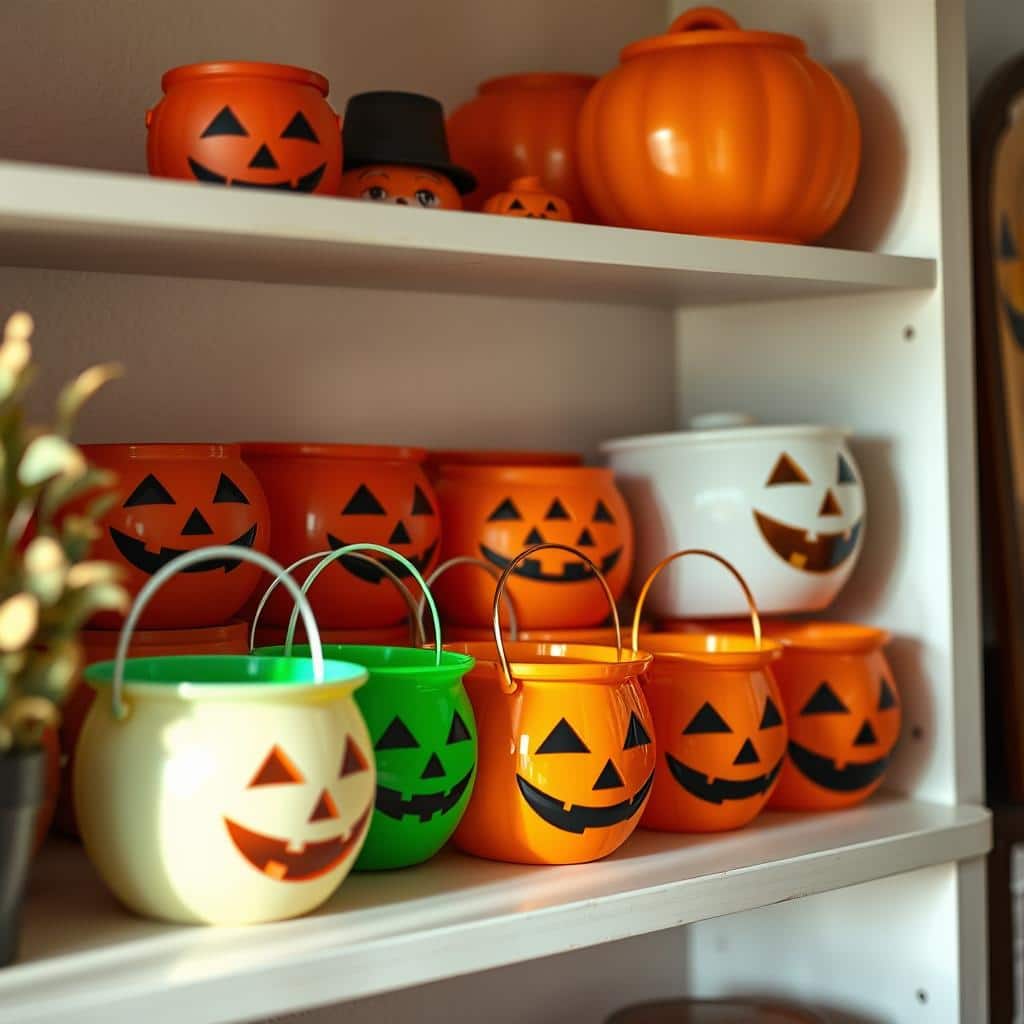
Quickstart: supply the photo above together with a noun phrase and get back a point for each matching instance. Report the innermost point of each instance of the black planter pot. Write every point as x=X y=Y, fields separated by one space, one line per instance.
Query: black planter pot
x=22 y=780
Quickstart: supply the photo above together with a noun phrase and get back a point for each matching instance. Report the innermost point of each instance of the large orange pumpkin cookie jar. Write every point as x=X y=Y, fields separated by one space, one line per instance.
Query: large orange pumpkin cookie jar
x=172 y=498
x=520 y=125
x=246 y=124
x=843 y=711
x=494 y=512
x=713 y=130
x=324 y=496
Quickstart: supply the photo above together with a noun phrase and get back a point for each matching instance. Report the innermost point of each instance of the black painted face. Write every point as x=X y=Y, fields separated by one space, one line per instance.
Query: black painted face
x=367 y=518
x=163 y=519
x=559 y=527
x=298 y=129
x=564 y=740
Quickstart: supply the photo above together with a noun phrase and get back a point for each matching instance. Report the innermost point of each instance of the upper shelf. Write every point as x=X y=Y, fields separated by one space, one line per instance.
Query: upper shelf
x=85 y=960
x=88 y=220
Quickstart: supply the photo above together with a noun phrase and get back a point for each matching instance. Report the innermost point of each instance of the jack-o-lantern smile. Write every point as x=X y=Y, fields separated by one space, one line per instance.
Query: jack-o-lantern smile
x=811 y=550
x=422 y=805
x=134 y=552
x=825 y=772
x=307 y=183
x=717 y=791
x=572 y=571
x=370 y=573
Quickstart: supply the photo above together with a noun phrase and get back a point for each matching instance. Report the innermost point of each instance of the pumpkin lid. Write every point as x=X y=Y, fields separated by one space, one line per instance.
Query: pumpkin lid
x=556 y=662
x=712 y=650
x=161 y=450
x=244 y=69
x=301 y=450
x=709 y=26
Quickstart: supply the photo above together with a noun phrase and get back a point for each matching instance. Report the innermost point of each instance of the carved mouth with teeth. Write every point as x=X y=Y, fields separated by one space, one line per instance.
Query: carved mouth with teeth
x=821 y=552
x=370 y=573
x=273 y=858
x=579 y=817
x=422 y=805
x=823 y=770
x=306 y=183
x=716 y=792
x=572 y=571
x=134 y=552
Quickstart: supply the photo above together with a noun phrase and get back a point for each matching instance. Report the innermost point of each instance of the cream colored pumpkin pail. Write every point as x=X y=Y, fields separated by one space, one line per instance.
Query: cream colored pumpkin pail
x=223 y=789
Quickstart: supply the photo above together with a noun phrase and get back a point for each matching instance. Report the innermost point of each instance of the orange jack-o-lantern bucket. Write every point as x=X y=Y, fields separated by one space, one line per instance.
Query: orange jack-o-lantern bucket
x=493 y=512
x=718 y=721
x=566 y=745
x=843 y=711
x=246 y=124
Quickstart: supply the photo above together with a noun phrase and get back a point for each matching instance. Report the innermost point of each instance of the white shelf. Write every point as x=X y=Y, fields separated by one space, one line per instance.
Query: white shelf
x=87 y=220
x=84 y=959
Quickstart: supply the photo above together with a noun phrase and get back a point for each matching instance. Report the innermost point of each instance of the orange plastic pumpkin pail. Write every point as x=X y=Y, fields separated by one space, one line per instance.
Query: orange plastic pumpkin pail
x=844 y=715
x=712 y=130
x=519 y=125
x=566 y=750
x=718 y=720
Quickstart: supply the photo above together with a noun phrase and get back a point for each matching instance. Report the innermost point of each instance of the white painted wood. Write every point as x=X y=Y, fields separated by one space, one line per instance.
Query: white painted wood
x=86 y=220
x=83 y=956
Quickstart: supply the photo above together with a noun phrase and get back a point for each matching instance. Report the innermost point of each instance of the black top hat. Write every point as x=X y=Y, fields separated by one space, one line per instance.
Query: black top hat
x=400 y=128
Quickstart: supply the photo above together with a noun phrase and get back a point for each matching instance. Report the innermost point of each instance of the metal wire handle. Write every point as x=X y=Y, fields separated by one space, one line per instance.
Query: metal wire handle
x=175 y=565
x=415 y=624
x=349 y=549
x=513 y=622
x=510 y=685
x=755 y=617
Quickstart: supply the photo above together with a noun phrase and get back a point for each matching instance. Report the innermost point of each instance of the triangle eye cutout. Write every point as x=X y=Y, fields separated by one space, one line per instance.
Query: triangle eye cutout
x=771 y=717
x=459 y=732
x=636 y=734
x=601 y=513
x=421 y=503
x=363 y=503
x=396 y=737
x=229 y=491
x=299 y=128
x=563 y=739
x=886 y=699
x=845 y=473
x=706 y=720
x=505 y=511
x=551 y=208
x=353 y=761
x=557 y=511
x=277 y=768
x=516 y=205
x=149 y=492
x=225 y=123
x=786 y=471
x=824 y=701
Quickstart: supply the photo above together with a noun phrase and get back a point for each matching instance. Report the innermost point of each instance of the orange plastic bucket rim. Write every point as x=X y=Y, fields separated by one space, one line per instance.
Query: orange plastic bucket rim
x=535 y=80
x=244 y=69
x=832 y=637
x=326 y=450
x=709 y=26
x=166 y=450
x=555 y=662
x=440 y=458
x=526 y=475
x=716 y=651
x=197 y=636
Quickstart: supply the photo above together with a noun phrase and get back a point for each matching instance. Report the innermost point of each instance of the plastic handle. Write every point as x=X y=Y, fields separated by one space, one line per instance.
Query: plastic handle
x=510 y=685
x=702 y=19
x=755 y=618
x=191 y=558
x=416 y=627
x=513 y=622
x=349 y=549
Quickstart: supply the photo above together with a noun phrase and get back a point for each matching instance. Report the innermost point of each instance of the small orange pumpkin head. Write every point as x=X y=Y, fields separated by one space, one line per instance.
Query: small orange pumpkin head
x=527 y=197
x=843 y=712
x=251 y=125
x=396 y=151
x=402 y=186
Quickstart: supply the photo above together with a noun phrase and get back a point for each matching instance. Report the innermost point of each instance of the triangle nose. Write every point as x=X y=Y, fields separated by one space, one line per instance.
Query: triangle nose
x=609 y=777
x=830 y=505
x=434 y=768
x=747 y=755
x=586 y=539
x=399 y=535
x=866 y=737
x=534 y=537
x=263 y=158
x=325 y=808
x=196 y=525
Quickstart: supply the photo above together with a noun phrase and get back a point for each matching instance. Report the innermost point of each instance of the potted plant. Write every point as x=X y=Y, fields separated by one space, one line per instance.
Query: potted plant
x=48 y=590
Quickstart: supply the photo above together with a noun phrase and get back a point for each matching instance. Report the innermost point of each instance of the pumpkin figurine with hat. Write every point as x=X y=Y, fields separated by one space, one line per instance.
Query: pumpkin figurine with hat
x=396 y=151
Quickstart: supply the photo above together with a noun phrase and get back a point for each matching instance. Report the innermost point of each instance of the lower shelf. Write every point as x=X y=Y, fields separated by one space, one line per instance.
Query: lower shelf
x=84 y=959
